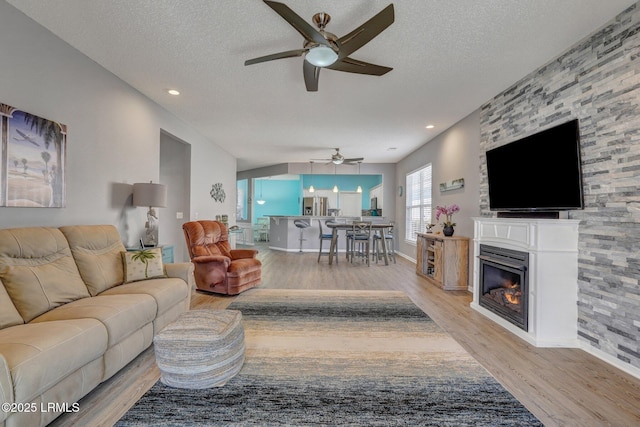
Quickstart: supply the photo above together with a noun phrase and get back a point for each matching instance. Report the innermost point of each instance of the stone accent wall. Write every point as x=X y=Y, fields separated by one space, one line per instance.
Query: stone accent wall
x=598 y=82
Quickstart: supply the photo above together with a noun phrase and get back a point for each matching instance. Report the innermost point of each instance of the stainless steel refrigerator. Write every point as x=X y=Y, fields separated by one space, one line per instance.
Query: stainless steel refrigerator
x=314 y=206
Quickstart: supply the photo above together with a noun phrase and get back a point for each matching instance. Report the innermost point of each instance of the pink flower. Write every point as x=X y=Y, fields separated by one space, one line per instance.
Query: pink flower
x=447 y=211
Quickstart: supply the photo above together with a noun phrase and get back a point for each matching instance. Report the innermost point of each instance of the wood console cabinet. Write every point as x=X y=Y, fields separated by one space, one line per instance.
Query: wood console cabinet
x=443 y=261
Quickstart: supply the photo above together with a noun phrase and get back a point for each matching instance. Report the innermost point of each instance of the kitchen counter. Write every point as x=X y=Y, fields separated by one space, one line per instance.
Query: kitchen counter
x=285 y=236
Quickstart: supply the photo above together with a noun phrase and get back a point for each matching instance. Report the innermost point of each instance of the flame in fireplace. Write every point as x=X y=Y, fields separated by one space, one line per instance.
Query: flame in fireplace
x=513 y=293
x=513 y=298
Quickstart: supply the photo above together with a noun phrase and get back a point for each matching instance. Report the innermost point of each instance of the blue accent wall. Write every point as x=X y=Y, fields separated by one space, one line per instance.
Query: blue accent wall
x=282 y=197
x=344 y=183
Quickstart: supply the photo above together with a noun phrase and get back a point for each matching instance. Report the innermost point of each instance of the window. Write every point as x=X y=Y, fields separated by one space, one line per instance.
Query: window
x=242 y=193
x=418 y=191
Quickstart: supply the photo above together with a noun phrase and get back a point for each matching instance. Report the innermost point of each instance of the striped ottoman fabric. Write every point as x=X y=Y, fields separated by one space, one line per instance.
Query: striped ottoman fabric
x=201 y=349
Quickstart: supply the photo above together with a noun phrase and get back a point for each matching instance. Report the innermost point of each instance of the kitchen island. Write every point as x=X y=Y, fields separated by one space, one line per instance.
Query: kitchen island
x=285 y=236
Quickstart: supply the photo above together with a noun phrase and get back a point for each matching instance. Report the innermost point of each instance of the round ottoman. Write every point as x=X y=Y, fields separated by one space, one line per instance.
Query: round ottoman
x=201 y=349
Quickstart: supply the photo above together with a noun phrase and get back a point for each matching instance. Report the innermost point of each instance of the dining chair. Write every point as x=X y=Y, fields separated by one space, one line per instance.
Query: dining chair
x=390 y=243
x=261 y=230
x=326 y=236
x=360 y=240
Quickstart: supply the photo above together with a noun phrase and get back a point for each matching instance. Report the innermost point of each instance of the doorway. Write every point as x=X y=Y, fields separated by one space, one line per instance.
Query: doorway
x=175 y=173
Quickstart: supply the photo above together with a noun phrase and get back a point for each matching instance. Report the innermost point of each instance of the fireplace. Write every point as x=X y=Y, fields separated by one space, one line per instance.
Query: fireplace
x=503 y=286
x=550 y=276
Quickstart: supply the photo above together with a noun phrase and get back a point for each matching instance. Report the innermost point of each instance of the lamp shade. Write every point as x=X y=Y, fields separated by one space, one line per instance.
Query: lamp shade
x=150 y=194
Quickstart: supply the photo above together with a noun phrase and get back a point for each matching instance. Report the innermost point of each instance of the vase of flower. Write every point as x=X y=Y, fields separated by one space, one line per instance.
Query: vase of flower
x=448 y=224
x=448 y=230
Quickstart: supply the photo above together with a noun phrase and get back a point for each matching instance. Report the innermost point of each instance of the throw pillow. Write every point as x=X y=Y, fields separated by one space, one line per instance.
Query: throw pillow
x=142 y=265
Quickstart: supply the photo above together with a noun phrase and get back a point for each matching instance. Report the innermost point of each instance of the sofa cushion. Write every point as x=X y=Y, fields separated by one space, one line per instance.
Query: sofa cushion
x=142 y=265
x=166 y=292
x=96 y=250
x=39 y=355
x=9 y=316
x=122 y=315
x=38 y=271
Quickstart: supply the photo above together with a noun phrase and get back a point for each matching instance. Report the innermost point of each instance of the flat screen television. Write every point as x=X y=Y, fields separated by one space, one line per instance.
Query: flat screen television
x=541 y=172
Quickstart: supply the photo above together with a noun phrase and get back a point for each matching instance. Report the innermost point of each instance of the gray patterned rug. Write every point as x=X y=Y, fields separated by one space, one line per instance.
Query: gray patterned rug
x=331 y=358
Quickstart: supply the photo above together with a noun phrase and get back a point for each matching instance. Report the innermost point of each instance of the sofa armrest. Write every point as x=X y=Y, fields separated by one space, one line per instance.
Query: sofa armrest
x=243 y=253
x=181 y=270
x=6 y=387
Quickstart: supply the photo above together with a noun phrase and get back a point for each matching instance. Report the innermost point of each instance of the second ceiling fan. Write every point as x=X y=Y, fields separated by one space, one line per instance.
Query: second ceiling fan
x=338 y=159
x=324 y=50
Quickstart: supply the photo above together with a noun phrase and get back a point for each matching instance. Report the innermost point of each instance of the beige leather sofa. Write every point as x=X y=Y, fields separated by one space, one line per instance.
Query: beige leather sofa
x=67 y=321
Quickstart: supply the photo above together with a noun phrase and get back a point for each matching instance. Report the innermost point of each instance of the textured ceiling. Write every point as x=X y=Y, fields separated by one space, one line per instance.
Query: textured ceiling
x=449 y=56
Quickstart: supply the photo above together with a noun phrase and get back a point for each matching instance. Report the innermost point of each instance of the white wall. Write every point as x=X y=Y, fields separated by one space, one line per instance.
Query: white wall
x=113 y=133
x=453 y=154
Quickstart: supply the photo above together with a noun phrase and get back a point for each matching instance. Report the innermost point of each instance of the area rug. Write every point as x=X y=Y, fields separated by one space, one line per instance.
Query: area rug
x=333 y=358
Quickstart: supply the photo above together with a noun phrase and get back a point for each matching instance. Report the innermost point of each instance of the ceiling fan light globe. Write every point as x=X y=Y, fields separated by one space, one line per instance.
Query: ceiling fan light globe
x=321 y=56
x=337 y=161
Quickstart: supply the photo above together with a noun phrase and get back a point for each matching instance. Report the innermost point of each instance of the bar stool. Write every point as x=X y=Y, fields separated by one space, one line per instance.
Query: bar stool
x=328 y=237
x=301 y=224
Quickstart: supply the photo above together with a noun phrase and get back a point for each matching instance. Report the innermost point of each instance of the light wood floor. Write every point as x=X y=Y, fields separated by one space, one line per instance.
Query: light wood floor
x=562 y=387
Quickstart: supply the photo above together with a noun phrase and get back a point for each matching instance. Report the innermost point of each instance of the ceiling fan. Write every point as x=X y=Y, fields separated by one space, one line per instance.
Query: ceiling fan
x=338 y=159
x=323 y=49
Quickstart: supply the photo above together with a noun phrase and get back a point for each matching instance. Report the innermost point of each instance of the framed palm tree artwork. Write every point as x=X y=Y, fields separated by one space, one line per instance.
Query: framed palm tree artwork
x=32 y=173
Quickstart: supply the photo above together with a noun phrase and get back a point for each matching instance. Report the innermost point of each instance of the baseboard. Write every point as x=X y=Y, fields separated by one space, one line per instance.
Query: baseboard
x=407 y=257
x=611 y=360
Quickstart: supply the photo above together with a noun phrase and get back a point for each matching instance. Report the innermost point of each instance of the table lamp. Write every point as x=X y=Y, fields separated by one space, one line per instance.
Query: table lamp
x=151 y=195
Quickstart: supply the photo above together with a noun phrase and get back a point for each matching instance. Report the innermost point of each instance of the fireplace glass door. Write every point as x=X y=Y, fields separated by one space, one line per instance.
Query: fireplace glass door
x=503 y=283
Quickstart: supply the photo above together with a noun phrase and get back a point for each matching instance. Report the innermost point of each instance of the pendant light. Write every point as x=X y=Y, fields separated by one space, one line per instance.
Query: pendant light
x=359 y=189
x=311 y=189
x=261 y=201
x=335 y=186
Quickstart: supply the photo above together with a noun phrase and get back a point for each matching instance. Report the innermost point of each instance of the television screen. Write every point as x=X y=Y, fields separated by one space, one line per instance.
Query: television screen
x=540 y=172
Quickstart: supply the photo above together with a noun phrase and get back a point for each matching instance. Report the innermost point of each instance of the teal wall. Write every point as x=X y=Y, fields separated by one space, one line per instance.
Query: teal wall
x=282 y=197
x=344 y=183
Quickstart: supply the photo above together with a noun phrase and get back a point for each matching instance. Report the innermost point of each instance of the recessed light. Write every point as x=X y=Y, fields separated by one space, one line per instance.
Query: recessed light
x=173 y=92
x=429 y=126
x=392 y=148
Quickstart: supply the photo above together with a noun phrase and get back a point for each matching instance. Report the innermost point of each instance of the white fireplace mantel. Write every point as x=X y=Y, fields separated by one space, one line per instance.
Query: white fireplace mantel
x=552 y=245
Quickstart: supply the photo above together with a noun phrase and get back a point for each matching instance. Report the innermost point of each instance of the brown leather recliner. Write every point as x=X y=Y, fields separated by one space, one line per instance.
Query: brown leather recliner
x=218 y=268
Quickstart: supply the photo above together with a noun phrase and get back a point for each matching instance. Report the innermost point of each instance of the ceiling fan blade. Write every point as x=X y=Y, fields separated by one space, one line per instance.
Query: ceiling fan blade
x=366 y=32
x=359 y=159
x=351 y=65
x=311 y=75
x=303 y=27
x=281 y=55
